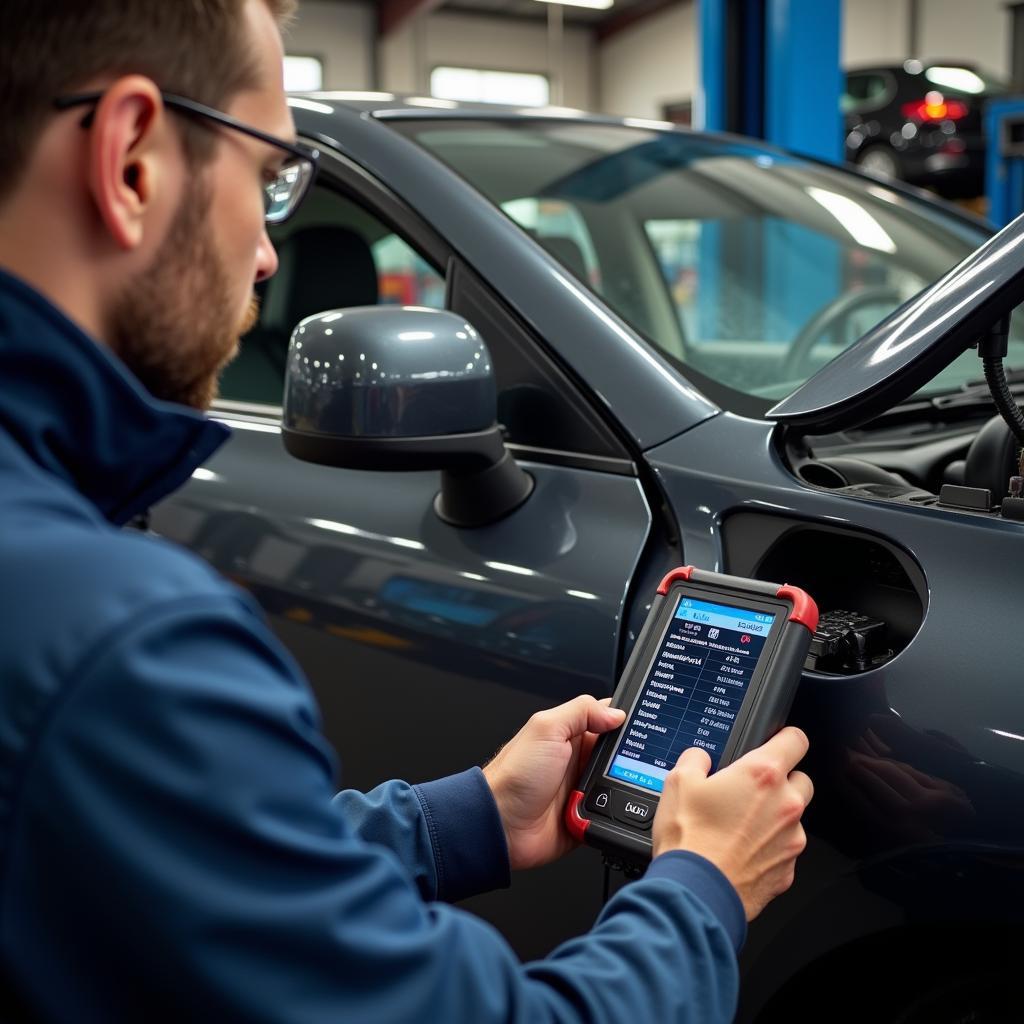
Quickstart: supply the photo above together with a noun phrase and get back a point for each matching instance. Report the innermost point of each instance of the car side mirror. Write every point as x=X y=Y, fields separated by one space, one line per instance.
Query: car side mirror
x=393 y=388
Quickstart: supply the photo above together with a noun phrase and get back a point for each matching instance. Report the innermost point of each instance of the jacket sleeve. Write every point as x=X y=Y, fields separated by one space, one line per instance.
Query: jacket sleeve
x=447 y=834
x=178 y=854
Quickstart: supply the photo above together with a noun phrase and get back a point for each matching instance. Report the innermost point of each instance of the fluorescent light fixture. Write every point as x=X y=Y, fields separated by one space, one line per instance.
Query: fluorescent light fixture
x=962 y=79
x=303 y=74
x=479 y=85
x=597 y=5
x=858 y=222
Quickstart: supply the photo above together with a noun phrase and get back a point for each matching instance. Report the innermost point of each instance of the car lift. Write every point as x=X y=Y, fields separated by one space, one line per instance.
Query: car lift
x=1004 y=159
x=770 y=69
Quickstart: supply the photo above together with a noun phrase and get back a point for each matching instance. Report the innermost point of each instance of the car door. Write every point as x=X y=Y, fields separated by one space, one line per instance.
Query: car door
x=427 y=646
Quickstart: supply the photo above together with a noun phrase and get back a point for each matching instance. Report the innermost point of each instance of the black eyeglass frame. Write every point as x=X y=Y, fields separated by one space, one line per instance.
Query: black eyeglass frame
x=308 y=154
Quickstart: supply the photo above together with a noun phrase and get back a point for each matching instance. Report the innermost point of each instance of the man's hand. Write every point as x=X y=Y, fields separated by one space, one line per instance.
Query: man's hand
x=532 y=775
x=745 y=818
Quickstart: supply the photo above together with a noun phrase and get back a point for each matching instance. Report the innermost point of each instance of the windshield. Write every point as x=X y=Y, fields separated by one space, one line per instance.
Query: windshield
x=747 y=267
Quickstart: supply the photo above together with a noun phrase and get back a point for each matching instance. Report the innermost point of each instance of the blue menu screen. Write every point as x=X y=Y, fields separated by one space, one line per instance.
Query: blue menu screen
x=693 y=690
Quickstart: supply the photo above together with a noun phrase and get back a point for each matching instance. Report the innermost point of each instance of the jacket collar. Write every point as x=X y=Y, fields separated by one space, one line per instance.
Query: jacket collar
x=77 y=411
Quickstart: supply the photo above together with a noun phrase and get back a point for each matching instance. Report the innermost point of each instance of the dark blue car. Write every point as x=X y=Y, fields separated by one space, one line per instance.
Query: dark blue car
x=670 y=323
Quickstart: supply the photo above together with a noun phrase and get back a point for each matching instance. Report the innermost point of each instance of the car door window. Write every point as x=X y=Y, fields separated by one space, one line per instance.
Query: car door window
x=864 y=92
x=560 y=229
x=333 y=254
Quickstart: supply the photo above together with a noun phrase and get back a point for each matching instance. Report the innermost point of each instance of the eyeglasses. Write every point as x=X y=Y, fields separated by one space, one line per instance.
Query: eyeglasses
x=281 y=196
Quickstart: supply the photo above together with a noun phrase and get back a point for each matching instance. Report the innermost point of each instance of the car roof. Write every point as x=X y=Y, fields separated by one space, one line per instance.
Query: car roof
x=391 y=104
x=900 y=67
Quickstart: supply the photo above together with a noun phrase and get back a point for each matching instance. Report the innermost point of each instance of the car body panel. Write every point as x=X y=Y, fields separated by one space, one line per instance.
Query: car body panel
x=468 y=632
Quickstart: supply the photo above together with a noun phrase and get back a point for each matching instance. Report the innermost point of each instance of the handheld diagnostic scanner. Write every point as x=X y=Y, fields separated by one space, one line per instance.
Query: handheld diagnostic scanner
x=716 y=666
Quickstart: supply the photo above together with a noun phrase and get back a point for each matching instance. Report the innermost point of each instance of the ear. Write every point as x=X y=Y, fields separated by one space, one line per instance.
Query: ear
x=130 y=149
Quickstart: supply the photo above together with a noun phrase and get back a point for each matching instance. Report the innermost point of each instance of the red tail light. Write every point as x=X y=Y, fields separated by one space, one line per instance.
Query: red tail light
x=935 y=107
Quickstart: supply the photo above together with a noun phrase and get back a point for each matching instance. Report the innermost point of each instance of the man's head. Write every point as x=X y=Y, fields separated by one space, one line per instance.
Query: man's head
x=145 y=224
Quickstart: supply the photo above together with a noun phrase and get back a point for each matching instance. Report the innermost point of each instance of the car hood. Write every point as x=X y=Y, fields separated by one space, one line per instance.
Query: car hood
x=909 y=347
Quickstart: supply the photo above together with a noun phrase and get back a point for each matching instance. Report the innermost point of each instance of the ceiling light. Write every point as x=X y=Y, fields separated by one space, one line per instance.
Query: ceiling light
x=598 y=5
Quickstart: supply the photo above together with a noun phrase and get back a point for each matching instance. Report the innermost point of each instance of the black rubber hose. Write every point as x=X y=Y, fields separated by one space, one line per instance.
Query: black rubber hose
x=1001 y=394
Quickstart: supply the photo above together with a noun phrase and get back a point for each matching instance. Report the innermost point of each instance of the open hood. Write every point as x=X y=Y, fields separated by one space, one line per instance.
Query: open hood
x=915 y=342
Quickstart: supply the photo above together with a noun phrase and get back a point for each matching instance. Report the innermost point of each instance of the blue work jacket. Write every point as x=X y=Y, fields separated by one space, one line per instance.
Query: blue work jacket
x=171 y=843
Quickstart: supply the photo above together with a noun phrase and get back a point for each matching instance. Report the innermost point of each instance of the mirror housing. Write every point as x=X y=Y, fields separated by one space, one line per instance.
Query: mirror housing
x=402 y=388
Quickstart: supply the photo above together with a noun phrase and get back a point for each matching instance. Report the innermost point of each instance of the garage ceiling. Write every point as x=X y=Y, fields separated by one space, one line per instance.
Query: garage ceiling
x=620 y=15
x=535 y=10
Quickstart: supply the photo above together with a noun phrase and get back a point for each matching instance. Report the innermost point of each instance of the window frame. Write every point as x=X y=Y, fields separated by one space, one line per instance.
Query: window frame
x=358 y=185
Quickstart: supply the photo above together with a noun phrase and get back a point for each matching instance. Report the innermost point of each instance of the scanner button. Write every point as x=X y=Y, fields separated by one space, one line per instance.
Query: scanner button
x=598 y=801
x=638 y=813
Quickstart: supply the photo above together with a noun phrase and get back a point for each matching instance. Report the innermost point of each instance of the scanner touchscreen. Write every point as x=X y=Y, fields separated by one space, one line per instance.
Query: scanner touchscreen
x=693 y=689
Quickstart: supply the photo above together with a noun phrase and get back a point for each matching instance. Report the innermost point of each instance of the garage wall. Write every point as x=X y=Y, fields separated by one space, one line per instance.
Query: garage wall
x=633 y=73
x=409 y=54
x=341 y=35
x=875 y=32
x=653 y=63
x=978 y=32
x=398 y=58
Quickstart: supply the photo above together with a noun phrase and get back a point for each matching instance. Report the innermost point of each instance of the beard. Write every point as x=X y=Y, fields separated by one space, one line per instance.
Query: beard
x=171 y=327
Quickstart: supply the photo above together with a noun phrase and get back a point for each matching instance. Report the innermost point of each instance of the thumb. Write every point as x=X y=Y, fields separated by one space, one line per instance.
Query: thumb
x=584 y=714
x=605 y=718
x=694 y=763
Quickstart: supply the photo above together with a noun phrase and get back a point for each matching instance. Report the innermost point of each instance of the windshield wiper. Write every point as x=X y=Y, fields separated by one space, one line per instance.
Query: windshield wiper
x=1014 y=375
x=951 y=404
x=976 y=393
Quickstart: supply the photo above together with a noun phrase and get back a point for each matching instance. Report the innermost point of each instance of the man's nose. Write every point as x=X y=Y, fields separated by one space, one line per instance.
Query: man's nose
x=266 y=258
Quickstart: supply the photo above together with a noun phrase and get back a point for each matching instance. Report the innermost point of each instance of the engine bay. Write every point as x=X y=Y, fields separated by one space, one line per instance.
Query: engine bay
x=952 y=453
x=963 y=463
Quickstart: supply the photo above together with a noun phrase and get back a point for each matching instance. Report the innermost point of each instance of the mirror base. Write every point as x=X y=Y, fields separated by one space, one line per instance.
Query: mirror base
x=469 y=500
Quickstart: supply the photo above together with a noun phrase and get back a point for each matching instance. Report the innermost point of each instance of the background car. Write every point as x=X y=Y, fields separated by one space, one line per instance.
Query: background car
x=921 y=123
x=646 y=298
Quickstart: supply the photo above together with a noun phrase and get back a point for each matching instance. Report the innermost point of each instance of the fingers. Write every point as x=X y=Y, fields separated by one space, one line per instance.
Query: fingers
x=803 y=785
x=693 y=763
x=580 y=715
x=787 y=747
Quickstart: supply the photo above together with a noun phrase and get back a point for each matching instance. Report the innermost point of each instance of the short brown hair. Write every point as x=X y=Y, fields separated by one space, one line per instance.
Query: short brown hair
x=49 y=48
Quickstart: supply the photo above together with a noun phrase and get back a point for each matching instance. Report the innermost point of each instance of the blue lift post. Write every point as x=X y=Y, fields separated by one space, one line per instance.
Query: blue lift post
x=771 y=69
x=1004 y=161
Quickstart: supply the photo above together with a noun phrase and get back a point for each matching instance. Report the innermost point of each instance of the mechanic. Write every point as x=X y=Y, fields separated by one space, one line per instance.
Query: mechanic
x=172 y=846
